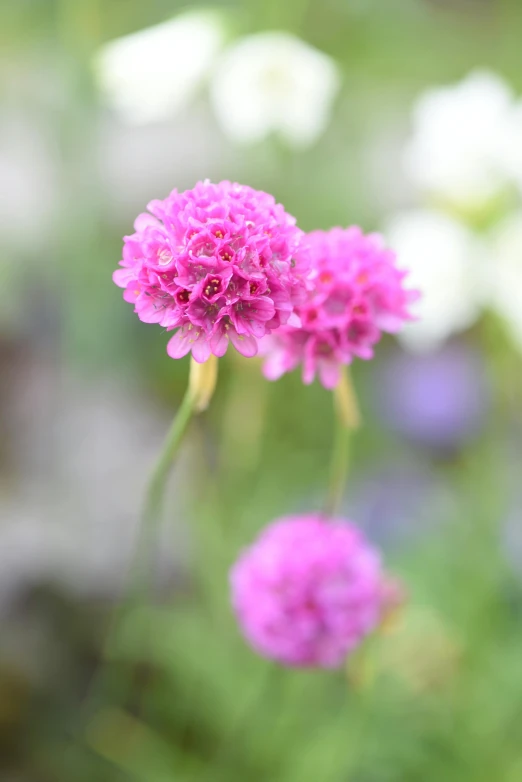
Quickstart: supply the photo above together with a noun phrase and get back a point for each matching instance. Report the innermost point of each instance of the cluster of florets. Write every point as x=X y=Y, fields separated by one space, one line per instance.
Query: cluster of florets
x=217 y=263
x=308 y=591
x=358 y=292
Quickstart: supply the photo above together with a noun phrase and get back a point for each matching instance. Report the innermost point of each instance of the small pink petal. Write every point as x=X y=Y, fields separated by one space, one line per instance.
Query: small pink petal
x=122 y=277
x=329 y=373
x=150 y=311
x=132 y=292
x=294 y=321
x=180 y=344
x=308 y=372
x=146 y=220
x=219 y=341
x=201 y=349
x=243 y=343
x=276 y=365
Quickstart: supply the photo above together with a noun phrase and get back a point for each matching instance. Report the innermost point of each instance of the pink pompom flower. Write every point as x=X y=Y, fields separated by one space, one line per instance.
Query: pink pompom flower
x=308 y=591
x=217 y=263
x=358 y=293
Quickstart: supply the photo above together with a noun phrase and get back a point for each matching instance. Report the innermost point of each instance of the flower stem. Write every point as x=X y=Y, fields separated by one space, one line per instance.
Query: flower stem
x=201 y=386
x=155 y=493
x=202 y=382
x=347 y=418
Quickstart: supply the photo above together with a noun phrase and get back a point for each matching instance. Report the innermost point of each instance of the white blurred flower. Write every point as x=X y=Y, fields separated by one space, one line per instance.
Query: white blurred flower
x=456 y=148
x=151 y=74
x=505 y=274
x=511 y=153
x=274 y=82
x=445 y=261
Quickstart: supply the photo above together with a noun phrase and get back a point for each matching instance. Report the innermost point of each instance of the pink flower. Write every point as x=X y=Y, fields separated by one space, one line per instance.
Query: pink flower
x=308 y=591
x=358 y=293
x=217 y=264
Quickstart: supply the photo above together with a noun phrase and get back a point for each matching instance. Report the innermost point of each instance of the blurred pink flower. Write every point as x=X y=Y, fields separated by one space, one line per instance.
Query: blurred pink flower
x=308 y=591
x=358 y=293
x=217 y=263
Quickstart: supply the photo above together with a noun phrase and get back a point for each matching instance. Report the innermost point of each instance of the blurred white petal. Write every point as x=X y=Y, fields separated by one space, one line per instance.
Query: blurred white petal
x=151 y=74
x=446 y=263
x=511 y=153
x=458 y=134
x=274 y=82
x=505 y=274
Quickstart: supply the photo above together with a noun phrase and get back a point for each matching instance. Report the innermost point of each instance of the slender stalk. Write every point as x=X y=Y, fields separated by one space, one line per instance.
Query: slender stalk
x=202 y=382
x=338 y=470
x=155 y=494
x=347 y=419
x=345 y=401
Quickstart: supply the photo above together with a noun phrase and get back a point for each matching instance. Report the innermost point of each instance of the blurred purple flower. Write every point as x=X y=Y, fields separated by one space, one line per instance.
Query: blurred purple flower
x=398 y=504
x=309 y=590
x=437 y=400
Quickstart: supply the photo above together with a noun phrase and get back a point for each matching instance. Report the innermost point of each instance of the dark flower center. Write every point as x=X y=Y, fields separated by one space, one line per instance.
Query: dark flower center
x=213 y=287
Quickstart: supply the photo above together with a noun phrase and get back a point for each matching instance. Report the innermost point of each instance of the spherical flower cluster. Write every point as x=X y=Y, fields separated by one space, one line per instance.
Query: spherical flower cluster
x=308 y=591
x=218 y=264
x=358 y=293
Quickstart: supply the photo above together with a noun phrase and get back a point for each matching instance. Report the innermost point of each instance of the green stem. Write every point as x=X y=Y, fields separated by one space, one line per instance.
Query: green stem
x=201 y=386
x=338 y=469
x=155 y=493
x=347 y=419
x=105 y=679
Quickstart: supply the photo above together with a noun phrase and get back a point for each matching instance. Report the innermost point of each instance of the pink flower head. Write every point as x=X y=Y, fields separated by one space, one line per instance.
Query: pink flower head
x=217 y=264
x=308 y=591
x=358 y=293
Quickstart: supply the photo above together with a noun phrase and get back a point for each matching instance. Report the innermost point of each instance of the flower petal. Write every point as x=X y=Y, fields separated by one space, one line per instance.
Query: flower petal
x=146 y=220
x=277 y=363
x=201 y=349
x=149 y=310
x=243 y=343
x=329 y=373
x=122 y=277
x=294 y=320
x=219 y=341
x=180 y=344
